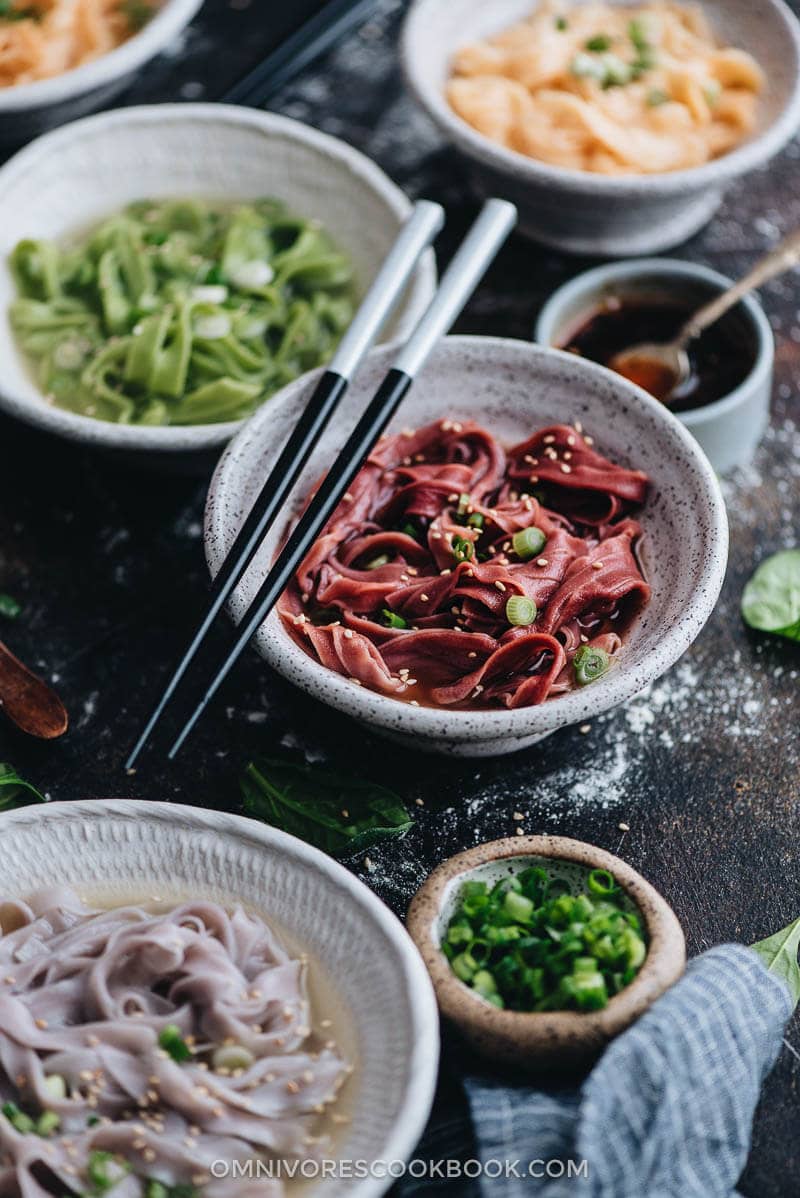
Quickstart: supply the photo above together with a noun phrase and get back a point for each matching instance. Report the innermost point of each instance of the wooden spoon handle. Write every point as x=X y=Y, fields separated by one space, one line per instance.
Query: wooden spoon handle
x=28 y=701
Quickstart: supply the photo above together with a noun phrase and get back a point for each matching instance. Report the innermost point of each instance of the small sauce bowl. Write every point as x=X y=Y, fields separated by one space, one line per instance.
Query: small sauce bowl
x=550 y=1042
x=730 y=426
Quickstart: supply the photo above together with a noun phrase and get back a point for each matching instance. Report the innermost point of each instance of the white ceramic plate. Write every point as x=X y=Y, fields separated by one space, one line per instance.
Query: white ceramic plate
x=124 y=849
x=73 y=178
x=512 y=388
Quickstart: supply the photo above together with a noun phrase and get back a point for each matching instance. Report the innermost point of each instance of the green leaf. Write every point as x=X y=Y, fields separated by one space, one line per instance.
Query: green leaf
x=9 y=607
x=336 y=812
x=771 y=599
x=15 y=791
x=779 y=954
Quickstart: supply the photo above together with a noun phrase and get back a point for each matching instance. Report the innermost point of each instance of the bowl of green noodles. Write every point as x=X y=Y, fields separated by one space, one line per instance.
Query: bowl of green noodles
x=165 y=270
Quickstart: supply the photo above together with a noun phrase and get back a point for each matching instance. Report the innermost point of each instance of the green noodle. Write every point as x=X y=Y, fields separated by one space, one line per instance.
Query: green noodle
x=178 y=312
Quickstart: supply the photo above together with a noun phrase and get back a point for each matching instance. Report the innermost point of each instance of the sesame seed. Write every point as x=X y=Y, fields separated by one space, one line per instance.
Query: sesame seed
x=500 y=586
x=517 y=815
x=412 y=570
x=567 y=455
x=565 y=469
x=588 y=440
x=347 y=497
x=597 y=565
x=520 y=831
x=42 y=1024
x=414 y=703
x=542 y=561
x=624 y=827
x=584 y=728
x=419 y=802
x=584 y=639
x=549 y=439
x=534 y=478
x=348 y=633
x=570 y=440
x=292 y=1088
x=424 y=598
x=472 y=654
x=578 y=426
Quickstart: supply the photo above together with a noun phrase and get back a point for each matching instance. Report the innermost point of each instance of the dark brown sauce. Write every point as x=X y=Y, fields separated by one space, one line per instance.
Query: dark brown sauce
x=720 y=359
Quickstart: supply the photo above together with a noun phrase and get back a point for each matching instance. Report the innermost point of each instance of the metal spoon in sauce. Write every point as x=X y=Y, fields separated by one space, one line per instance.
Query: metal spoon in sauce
x=662 y=369
x=28 y=701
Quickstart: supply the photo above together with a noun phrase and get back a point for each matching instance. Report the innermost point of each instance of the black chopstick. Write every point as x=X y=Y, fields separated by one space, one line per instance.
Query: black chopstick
x=460 y=280
x=311 y=40
x=416 y=235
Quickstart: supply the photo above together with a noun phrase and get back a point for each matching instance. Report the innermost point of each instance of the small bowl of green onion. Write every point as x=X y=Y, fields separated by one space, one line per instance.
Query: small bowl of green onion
x=542 y=949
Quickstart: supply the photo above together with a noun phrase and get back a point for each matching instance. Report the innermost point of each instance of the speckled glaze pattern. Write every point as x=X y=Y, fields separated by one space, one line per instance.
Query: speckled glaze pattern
x=544 y=1042
x=512 y=388
x=125 y=848
x=729 y=430
x=72 y=178
x=32 y=108
x=585 y=213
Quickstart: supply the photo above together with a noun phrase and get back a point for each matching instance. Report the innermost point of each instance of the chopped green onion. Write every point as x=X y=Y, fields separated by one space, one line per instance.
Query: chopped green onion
x=561 y=24
x=463 y=503
x=393 y=620
x=598 y=44
x=656 y=97
x=410 y=530
x=518 y=907
x=382 y=559
x=527 y=943
x=174 y=1044
x=232 y=1057
x=18 y=1119
x=9 y=607
x=638 y=35
x=56 y=1086
x=104 y=1170
x=476 y=520
x=617 y=73
x=602 y=882
x=93 y=1121
x=47 y=1123
x=155 y=1189
x=712 y=92
x=585 y=66
x=528 y=542
x=590 y=664
x=463 y=550
x=520 y=611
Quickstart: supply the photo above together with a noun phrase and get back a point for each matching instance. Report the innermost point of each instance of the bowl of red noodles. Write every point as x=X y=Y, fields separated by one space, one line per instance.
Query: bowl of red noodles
x=531 y=543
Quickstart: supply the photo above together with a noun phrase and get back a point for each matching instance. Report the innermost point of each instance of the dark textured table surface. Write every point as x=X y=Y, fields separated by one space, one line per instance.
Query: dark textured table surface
x=703 y=769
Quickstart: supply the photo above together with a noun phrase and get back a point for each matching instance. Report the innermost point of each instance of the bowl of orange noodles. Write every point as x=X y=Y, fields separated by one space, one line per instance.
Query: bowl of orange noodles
x=60 y=59
x=614 y=127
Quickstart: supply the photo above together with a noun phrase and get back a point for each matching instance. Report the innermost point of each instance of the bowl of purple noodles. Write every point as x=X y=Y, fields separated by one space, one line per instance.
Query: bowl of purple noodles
x=193 y=1002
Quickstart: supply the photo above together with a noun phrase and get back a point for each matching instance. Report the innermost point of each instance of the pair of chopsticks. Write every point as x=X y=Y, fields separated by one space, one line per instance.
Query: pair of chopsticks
x=318 y=35
x=478 y=249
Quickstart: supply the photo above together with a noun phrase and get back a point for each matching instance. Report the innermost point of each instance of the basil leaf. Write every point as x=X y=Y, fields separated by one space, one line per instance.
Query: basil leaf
x=15 y=791
x=779 y=954
x=335 y=812
x=771 y=599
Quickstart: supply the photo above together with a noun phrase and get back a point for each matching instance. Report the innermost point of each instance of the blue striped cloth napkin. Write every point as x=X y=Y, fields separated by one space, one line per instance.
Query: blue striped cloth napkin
x=666 y=1113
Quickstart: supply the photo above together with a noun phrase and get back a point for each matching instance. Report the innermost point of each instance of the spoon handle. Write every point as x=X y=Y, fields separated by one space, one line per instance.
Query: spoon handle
x=783 y=257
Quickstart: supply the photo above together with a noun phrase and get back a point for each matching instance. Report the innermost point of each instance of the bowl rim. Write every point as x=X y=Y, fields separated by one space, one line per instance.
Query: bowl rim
x=587 y=281
x=662 y=966
x=168 y=21
x=458 y=727
x=73 y=426
x=424 y=1057
x=744 y=157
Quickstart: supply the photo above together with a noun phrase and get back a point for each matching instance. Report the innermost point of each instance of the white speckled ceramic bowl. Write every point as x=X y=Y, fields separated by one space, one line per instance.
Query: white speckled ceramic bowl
x=730 y=429
x=73 y=178
x=512 y=388
x=30 y=109
x=587 y=213
x=122 y=849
